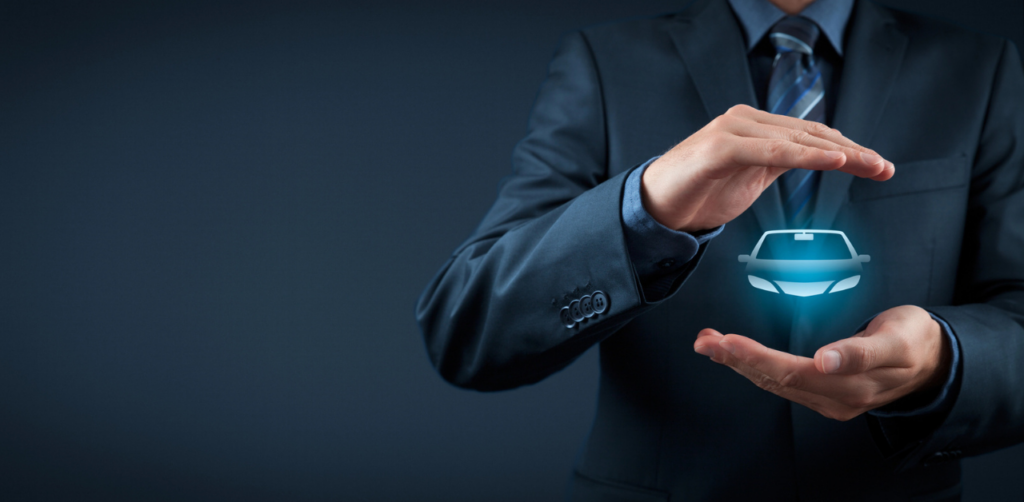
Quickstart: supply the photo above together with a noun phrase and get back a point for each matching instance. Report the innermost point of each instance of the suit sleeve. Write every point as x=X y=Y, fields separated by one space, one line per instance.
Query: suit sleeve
x=988 y=313
x=492 y=317
x=657 y=252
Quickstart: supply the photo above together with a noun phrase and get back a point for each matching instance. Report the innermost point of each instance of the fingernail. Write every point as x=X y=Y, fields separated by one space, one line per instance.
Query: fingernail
x=704 y=350
x=830 y=361
x=728 y=346
x=833 y=155
x=869 y=158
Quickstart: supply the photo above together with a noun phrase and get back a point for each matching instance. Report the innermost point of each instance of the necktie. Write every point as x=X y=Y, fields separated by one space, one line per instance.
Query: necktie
x=796 y=89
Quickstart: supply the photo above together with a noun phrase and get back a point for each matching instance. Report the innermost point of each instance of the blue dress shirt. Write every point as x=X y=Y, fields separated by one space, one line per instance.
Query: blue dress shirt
x=659 y=253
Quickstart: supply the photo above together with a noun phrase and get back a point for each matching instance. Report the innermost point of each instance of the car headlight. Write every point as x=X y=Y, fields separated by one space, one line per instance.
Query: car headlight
x=845 y=284
x=760 y=283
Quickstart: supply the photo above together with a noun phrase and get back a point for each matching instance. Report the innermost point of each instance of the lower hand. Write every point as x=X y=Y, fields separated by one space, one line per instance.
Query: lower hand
x=902 y=350
x=720 y=170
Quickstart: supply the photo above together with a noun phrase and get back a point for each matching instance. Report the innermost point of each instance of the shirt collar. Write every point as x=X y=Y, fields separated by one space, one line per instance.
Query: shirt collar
x=758 y=16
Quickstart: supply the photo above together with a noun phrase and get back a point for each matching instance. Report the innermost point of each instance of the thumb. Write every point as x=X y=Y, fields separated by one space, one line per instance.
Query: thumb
x=856 y=355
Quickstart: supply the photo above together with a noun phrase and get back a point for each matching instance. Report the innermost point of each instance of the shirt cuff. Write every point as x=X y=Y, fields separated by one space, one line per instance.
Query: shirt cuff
x=944 y=398
x=655 y=250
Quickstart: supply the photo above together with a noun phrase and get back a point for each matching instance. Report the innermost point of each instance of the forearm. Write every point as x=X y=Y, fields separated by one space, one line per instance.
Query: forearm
x=491 y=318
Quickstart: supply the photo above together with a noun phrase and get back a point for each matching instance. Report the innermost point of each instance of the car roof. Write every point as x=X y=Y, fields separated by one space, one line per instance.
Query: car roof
x=804 y=232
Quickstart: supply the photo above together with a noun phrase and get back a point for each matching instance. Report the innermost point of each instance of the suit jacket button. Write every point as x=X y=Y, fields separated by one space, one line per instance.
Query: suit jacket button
x=575 y=312
x=587 y=306
x=600 y=302
x=566 y=318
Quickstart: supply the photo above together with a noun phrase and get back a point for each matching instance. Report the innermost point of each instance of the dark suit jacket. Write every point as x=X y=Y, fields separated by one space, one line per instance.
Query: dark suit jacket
x=946 y=233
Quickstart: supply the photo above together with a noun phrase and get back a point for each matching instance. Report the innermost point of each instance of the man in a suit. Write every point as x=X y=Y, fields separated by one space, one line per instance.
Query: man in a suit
x=869 y=393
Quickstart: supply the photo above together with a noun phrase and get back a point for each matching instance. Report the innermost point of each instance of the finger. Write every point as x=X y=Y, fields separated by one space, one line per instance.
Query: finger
x=787 y=369
x=787 y=154
x=784 y=154
x=707 y=342
x=796 y=372
x=852 y=396
x=887 y=173
x=816 y=129
x=823 y=404
x=856 y=155
x=708 y=332
x=811 y=127
x=882 y=349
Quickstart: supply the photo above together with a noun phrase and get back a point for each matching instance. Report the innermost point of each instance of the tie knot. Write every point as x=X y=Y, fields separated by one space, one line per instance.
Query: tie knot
x=795 y=33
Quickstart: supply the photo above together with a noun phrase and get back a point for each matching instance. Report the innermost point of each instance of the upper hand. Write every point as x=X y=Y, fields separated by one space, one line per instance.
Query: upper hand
x=720 y=170
x=902 y=350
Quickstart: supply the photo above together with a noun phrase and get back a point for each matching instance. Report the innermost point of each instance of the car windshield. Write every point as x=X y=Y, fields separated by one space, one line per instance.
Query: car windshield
x=808 y=246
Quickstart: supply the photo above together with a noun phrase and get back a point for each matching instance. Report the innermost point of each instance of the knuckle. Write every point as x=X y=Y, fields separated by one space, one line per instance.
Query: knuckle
x=738 y=109
x=751 y=360
x=863 y=356
x=869 y=356
x=718 y=143
x=721 y=121
x=773 y=151
x=800 y=137
x=766 y=383
x=818 y=127
x=791 y=380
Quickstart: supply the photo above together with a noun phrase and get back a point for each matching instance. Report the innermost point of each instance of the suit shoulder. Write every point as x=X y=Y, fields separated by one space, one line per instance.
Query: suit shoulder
x=629 y=32
x=939 y=33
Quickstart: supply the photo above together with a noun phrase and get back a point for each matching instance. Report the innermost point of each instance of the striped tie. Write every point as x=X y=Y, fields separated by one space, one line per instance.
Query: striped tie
x=796 y=89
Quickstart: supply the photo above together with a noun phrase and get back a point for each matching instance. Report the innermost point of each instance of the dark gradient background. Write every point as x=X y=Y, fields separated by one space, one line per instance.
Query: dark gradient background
x=215 y=222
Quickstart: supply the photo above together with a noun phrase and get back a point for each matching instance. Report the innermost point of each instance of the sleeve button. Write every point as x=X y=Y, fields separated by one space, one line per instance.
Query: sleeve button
x=599 y=301
x=587 y=306
x=566 y=318
x=575 y=312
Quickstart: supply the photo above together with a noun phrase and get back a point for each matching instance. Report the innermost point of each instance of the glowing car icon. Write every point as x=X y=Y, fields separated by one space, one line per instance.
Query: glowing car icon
x=804 y=262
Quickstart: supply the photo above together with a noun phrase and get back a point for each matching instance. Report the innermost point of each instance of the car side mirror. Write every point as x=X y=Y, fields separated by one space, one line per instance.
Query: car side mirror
x=864 y=258
x=744 y=258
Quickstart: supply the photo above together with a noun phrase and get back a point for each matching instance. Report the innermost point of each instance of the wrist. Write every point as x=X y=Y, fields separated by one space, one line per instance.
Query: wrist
x=943 y=361
x=661 y=203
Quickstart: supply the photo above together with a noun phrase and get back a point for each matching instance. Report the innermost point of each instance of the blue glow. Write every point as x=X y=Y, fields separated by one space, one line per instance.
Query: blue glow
x=845 y=284
x=760 y=283
x=804 y=288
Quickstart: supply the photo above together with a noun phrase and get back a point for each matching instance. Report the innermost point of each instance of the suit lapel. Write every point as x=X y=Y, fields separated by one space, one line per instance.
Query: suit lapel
x=874 y=52
x=710 y=42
